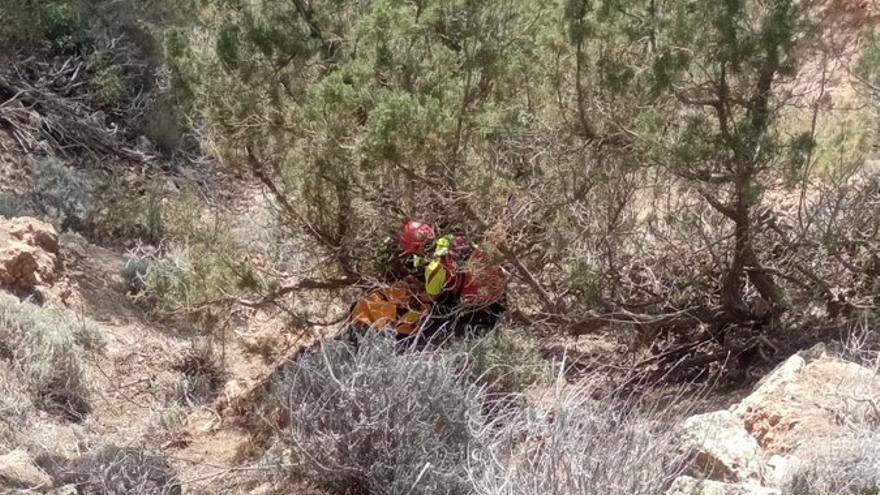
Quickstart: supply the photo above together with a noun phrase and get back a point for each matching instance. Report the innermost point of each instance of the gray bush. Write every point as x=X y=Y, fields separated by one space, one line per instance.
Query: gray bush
x=11 y=205
x=850 y=468
x=113 y=470
x=139 y=261
x=379 y=421
x=14 y=419
x=575 y=445
x=63 y=193
x=45 y=346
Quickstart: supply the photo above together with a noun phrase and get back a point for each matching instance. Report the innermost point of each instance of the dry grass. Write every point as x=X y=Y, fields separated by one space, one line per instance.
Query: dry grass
x=45 y=348
x=850 y=468
x=572 y=444
x=15 y=409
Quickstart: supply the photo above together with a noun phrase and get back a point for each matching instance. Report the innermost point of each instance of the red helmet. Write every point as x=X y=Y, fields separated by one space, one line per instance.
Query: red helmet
x=414 y=237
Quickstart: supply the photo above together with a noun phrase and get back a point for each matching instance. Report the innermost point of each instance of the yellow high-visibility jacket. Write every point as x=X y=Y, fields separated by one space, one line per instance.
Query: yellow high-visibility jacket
x=436 y=272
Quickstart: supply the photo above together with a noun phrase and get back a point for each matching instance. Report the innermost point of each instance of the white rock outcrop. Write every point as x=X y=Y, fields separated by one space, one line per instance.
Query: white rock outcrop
x=721 y=449
x=685 y=485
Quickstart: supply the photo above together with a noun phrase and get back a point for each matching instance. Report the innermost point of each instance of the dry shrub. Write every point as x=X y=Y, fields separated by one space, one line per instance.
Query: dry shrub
x=377 y=421
x=14 y=404
x=45 y=346
x=574 y=445
x=851 y=468
x=850 y=465
x=384 y=421
x=506 y=361
x=203 y=371
x=113 y=470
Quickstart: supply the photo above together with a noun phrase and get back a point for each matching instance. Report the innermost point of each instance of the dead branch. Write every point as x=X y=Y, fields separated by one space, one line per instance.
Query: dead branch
x=35 y=112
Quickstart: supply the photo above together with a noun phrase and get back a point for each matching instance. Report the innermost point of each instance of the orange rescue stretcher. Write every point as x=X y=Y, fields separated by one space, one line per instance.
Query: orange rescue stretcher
x=395 y=306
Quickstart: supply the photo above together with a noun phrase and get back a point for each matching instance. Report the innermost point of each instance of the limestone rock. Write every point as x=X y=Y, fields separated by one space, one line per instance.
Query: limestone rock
x=721 y=448
x=799 y=406
x=685 y=485
x=772 y=386
x=18 y=266
x=17 y=470
x=781 y=469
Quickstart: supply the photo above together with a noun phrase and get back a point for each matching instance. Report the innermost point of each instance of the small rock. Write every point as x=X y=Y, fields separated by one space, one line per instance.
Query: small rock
x=781 y=469
x=721 y=448
x=17 y=469
x=685 y=485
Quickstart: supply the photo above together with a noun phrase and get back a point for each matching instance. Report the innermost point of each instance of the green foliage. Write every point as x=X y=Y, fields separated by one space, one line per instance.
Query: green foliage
x=183 y=276
x=548 y=117
x=106 y=208
x=185 y=257
x=30 y=21
x=506 y=361
x=120 y=45
x=587 y=283
x=868 y=65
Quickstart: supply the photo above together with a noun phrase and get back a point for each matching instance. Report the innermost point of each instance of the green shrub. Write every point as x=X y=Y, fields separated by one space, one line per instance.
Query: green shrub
x=45 y=347
x=183 y=276
x=32 y=21
x=506 y=361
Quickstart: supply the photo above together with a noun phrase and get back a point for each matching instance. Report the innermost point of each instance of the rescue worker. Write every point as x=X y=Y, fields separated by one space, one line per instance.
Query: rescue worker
x=455 y=275
x=438 y=269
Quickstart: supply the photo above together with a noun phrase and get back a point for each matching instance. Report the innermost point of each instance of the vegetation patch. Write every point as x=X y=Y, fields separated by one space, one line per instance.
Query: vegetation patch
x=203 y=374
x=506 y=361
x=374 y=420
x=45 y=347
x=113 y=470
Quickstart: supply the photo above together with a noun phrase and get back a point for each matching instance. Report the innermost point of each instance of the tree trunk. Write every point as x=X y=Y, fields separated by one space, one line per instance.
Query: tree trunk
x=744 y=262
